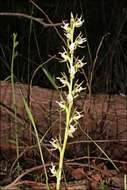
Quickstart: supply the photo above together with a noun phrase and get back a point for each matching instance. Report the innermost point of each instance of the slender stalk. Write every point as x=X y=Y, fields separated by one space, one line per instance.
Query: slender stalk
x=14 y=54
x=61 y=161
x=68 y=117
x=66 y=104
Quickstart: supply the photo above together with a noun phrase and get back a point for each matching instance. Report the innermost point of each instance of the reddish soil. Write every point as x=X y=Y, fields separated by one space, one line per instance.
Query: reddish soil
x=86 y=165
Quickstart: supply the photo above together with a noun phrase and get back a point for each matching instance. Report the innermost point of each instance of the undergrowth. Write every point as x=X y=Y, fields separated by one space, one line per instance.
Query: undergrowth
x=73 y=88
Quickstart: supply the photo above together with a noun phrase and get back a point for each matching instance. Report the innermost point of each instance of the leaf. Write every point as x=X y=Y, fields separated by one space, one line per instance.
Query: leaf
x=51 y=78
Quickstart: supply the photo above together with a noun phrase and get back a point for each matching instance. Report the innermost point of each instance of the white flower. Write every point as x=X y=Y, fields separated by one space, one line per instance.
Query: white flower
x=56 y=144
x=72 y=71
x=53 y=169
x=68 y=35
x=63 y=80
x=64 y=56
x=77 y=116
x=72 y=20
x=62 y=105
x=70 y=98
x=80 y=63
x=71 y=130
x=65 y=26
x=79 y=22
x=79 y=89
x=72 y=47
x=81 y=40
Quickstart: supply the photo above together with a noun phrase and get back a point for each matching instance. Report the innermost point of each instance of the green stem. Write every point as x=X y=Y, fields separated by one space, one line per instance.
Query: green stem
x=61 y=161
x=63 y=148
x=68 y=117
x=13 y=94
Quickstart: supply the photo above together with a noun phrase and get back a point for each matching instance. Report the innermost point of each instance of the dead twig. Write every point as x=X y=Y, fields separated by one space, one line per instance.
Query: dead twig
x=49 y=20
x=39 y=20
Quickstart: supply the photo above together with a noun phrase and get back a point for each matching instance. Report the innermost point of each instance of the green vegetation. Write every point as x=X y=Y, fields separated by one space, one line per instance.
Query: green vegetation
x=68 y=68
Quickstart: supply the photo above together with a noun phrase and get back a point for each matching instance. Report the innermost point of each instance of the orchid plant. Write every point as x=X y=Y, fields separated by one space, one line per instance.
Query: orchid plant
x=66 y=104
